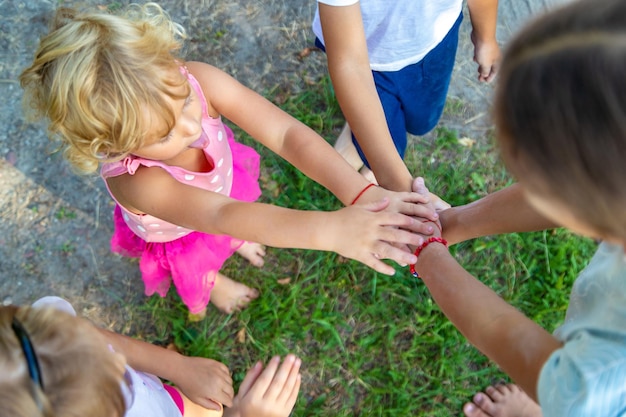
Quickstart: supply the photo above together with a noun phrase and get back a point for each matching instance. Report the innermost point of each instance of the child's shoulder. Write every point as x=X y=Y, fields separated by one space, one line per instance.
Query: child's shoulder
x=204 y=72
x=220 y=89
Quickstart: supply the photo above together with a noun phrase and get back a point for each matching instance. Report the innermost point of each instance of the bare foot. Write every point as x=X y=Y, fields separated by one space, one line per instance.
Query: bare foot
x=345 y=147
x=253 y=252
x=229 y=296
x=502 y=401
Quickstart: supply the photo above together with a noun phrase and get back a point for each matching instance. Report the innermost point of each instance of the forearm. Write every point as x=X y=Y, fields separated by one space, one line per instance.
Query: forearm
x=505 y=211
x=277 y=226
x=365 y=115
x=145 y=357
x=518 y=345
x=317 y=159
x=484 y=17
x=349 y=68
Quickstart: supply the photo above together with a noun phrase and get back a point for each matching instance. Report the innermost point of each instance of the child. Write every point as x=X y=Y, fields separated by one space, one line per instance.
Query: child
x=400 y=54
x=55 y=364
x=118 y=96
x=560 y=113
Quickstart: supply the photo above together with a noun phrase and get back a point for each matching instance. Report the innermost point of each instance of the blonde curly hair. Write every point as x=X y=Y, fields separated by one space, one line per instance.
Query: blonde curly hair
x=80 y=375
x=94 y=76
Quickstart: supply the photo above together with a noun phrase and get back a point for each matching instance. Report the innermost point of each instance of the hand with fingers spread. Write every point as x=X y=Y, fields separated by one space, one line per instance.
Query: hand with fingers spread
x=269 y=392
x=410 y=203
x=368 y=233
x=205 y=382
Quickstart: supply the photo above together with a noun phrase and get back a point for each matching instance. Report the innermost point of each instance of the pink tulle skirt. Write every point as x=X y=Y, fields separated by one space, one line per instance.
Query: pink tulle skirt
x=192 y=261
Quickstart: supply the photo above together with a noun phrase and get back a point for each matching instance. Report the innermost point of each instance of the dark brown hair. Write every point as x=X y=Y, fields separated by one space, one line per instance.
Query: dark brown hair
x=560 y=110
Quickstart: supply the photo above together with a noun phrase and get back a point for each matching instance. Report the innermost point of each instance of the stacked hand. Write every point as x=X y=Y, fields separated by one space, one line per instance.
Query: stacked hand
x=420 y=187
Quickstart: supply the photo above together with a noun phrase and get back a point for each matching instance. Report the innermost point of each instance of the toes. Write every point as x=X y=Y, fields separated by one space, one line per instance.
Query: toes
x=496 y=393
x=247 y=298
x=253 y=294
x=472 y=410
x=485 y=403
x=515 y=389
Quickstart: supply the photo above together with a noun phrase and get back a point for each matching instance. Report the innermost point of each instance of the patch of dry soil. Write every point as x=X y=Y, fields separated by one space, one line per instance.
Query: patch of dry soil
x=55 y=226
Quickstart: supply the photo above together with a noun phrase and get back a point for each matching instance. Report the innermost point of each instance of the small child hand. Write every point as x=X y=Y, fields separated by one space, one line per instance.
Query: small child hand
x=368 y=233
x=487 y=56
x=419 y=187
x=206 y=382
x=269 y=392
x=438 y=203
x=410 y=203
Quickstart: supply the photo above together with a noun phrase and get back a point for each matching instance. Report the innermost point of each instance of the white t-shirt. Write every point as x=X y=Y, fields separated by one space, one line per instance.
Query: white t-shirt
x=400 y=32
x=143 y=393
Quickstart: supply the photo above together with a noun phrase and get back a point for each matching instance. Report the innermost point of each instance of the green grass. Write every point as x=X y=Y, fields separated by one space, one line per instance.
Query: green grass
x=374 y=345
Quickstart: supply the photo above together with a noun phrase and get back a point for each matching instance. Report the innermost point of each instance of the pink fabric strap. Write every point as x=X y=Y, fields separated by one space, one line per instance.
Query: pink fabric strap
x=178 y=399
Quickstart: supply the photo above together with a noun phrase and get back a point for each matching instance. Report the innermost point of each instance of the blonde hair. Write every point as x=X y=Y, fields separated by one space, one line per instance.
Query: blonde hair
x=80 y=375
x=94 y=76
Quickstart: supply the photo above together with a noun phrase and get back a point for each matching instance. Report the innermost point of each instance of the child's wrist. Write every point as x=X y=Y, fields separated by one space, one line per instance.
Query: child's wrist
x=360 y=194
x=433 y=240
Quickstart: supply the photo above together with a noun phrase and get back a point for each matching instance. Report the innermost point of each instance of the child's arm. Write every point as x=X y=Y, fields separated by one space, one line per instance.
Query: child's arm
x=349 y=68
x=205 y=381
x=484 y=16
x=517 y=344
x=280 y=132
x=505 y=211
x=362 y=232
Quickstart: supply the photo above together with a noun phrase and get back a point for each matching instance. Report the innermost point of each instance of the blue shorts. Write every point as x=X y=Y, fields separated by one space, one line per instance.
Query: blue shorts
x=413 y=97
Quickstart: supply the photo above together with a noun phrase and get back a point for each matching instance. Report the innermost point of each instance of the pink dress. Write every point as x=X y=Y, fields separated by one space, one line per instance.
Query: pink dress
x=170 y=253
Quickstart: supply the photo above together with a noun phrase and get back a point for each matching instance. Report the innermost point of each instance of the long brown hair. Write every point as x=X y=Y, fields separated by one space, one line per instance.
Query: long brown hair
x=560 y=110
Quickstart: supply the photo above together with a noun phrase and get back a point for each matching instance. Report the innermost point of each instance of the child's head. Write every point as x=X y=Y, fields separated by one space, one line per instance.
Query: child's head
x=95 y=74
x=560 y=111
x=80 y=375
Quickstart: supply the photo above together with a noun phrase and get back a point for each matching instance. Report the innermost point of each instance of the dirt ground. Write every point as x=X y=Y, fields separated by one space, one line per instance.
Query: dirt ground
x=55 y=226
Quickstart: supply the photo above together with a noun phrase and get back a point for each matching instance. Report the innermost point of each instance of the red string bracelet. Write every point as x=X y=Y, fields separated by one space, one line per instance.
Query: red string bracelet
x=367 y=187
x=421 y=248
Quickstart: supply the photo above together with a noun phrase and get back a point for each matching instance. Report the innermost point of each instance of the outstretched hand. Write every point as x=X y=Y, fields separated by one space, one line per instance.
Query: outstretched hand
x=269 y=392
x=368 y=233
x=409 y=203
x=206 y=382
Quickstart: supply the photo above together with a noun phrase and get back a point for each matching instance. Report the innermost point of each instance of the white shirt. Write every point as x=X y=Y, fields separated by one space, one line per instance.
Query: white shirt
x=400 y=32
x=143 y=393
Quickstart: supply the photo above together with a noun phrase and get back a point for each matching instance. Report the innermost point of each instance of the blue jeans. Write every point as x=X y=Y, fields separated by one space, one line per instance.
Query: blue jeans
x=413 y=97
